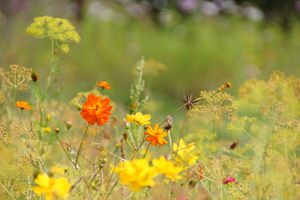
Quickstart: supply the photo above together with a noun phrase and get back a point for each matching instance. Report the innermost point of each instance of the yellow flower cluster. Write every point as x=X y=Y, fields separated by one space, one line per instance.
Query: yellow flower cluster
x=185 y=153
x=137 y=173
x=55 y=29
x=167 y=168
x=52 y=188
x=139 y=118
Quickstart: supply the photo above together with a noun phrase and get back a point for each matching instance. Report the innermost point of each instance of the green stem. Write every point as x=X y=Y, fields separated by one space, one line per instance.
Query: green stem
x=111 y=190
x=207 y=190
x=138 y=149
x=147 y=150
x=52 y=70
x=81 y=143
x=22 y=119
x=65 y=151
x=170 y=141
x=180 y=135
x=131 y=137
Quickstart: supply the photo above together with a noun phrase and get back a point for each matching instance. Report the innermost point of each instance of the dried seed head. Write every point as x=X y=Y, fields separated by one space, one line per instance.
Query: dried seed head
x=34 y=76
x=122 y=152
x=189 y=101
x=125 y=136
x=168 y=123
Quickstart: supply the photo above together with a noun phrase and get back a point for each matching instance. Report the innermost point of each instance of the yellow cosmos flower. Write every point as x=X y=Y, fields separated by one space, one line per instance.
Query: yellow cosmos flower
x=167 y=168
x=52 y=188
x=57 y=170
x=139 y=118
x=136 y=174
x=46 y=130
x=186 y=153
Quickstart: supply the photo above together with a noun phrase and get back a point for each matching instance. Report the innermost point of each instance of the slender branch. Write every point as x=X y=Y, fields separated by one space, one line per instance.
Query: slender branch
x=65 y=151
x=81 y=143
x=7 y=191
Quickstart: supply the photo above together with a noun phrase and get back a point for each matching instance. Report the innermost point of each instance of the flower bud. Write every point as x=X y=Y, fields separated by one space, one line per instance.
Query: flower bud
x=57 y=130
x=34 y=76
x=68 y=124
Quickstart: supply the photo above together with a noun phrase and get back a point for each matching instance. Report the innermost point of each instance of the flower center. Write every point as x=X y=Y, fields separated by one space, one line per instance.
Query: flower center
x=98 y=107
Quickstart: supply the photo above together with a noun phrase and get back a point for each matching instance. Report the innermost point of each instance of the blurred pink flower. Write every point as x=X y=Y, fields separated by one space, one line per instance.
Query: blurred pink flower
x=228 y=180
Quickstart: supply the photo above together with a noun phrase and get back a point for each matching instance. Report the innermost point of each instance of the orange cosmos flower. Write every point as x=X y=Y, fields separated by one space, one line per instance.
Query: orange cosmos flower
x=156 y=135
x=24 y=105
x=96 y=109
x=104 y=85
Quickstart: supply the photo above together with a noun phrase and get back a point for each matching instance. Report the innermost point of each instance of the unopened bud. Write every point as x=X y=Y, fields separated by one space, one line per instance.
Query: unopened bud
x=48 y=117
x=169 y=123
x=57 y=130
x=68 y=124
x=224 y=86
x=34 y=76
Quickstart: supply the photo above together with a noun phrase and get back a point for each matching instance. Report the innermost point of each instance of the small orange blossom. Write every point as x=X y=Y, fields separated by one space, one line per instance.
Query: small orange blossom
x=156 y=135
x=23 y=105
x=96 y=109
x=104 y=85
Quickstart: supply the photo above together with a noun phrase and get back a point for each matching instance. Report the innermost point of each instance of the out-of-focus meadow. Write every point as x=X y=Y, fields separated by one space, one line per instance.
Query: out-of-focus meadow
x=153 y=99
x=184 y=53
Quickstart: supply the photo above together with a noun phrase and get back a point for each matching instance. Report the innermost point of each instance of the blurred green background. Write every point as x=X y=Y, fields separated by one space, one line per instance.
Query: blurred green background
x=188 y=45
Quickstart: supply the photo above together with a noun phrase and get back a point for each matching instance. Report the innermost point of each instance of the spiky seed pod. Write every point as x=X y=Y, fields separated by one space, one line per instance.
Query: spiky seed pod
x=189 y=101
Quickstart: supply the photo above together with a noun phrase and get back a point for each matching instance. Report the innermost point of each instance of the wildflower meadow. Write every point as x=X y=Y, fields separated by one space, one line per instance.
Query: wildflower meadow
x=213 y=144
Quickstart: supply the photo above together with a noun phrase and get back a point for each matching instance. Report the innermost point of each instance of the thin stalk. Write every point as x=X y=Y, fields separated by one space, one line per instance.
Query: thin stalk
x=131 y=137
x=136 y=152
x=22 y=119
x=180 y=135
x=81 y=143
x=7 y=191
x=170 y=141
x=65 y=151
x=111 y=189
x=52 y=70
x=147 y=150
x=221 y=191
x=116 y=156
x=43 y=165
x=131 y=145
x=207 y=190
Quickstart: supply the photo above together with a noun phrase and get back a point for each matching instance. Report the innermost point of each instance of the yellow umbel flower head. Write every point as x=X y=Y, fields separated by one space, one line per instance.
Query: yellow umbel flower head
x=136 y=174
x=52 y=188
x=186 y=153
x=167 y=168
x=59 y=30
x=139 y=118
